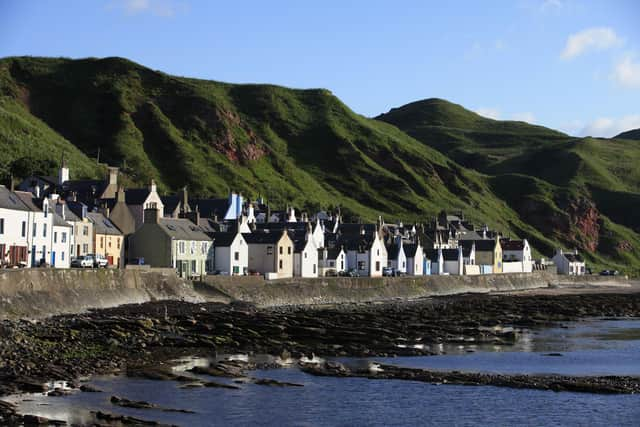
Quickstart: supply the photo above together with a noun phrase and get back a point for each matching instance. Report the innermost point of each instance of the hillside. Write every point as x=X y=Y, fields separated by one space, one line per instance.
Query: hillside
x=580 y=191
x=630 y=134
x=307 y=148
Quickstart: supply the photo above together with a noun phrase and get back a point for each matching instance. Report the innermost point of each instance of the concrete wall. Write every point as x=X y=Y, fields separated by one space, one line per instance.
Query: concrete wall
x=37 y=293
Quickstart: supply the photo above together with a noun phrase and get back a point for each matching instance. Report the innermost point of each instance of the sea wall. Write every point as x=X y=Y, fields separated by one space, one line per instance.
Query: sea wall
x=42 y=292
x=330 y=290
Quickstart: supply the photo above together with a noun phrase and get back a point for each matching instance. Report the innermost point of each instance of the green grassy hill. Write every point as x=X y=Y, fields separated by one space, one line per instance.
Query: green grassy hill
x=630 y=134
x=307 y=148
x=579 y=191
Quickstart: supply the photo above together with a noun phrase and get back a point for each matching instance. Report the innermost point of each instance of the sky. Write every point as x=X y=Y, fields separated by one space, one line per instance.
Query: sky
x=569 y=65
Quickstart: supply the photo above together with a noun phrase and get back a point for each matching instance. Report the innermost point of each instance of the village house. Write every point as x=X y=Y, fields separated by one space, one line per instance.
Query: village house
x=516 y=256
x=453 y=261
x=305 y=255
x=219 y=209
x=108 y=240
x=15 y=218
x=40 y=225
x=60 y=242
x=139 y=200
x=415 y=258
x=435 y=260
x=270 y=253
x=76 y=213
x=488 y=254
x=171 y=243
x=231 y=253
x=570 y=263
x=334 y=259
x=366 y=253
x=396 y=257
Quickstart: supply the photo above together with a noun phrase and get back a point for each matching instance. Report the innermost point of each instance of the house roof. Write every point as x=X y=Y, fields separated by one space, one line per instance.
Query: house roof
x=102 y=224
x=58 y=221
x=410 y=249
x=221 y=239
x=171 y=203
x=393 y=251
x=10 y=200
x=573 y=257
x=333 y=253
x=431 y=254
x=211 y=207
x=182 y=229
x=486 y=245
x=261 y=238
x=136 y=196
x=76 y=207
x=450 y=254
x=69 y=215
x=208 y=225
x=512 y=245
x=28 y=200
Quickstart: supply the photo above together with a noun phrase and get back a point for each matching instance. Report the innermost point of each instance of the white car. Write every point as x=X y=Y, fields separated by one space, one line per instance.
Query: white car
x=99 y=261
x=82 y=262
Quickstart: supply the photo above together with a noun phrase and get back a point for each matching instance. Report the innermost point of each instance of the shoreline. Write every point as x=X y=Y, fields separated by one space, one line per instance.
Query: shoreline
x=146 y=337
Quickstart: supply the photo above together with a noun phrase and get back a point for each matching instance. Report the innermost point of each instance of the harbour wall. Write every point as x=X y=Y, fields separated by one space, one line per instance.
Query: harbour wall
x=37 y=293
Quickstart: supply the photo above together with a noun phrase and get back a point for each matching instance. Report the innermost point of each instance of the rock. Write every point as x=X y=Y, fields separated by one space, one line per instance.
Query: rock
x=270 y=382
x=89 y=389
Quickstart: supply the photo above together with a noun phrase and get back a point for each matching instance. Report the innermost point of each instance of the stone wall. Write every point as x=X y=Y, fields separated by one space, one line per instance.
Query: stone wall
x=42 y=292
x=330 y=290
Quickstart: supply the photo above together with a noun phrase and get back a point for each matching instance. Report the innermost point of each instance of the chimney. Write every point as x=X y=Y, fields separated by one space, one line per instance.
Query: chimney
x=184 y=199
x=151 y=215
x=63 y=172
x=152 y=187
x=113 y=175
x=120 y=195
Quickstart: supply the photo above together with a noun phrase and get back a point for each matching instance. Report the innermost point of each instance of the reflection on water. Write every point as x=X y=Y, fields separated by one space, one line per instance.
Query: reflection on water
x=589 y=348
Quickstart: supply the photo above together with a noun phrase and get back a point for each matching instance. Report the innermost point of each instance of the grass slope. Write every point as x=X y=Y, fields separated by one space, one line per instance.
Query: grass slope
x=630 y=134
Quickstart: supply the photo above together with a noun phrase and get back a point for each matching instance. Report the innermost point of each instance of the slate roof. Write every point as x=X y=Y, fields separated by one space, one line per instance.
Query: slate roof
x=261 y=238
x=450 y=254
x=486 y=245
x=76 y=207
x=512 y=245
x=410 y=249
x=573 y=257
x=431 y=254
x=182 y=229
x=28 y=200
x=356 y=228
x=136 y=196
x=102 y=224
x=210 y=207
x=208 y=225
x=221 y=239
x=171 y=203
x=393 y=251
x=333 y=253
x=10 y=200
x=59 y=222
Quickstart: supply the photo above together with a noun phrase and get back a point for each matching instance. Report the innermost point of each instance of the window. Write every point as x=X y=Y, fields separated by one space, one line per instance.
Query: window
x=118 y=241
x=193 y=267
x=24 y=229
x=85 y=248
x=280 y=264
x=378 y=252
x=341 y=265
x=331 y=263
x=361 y=265
x=236 y=269
x=109 y=242
x=281 y=250
x=203 y=248
x=44 y=230
x=1 y=225
x=55 y=237
x=62 y=256
x=101 y=242
x=181 y=247
x=45 y=210
x=377 y=265
x=34 y=229
x=289 y=250
x=404 y=264
x=305 y=255
x=193 y=247
x=314 y=269
x=236 y=256
x=85 y=230
x=269 y=250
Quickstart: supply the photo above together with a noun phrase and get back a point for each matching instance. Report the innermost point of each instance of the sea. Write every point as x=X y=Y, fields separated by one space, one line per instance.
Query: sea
x=588 y=347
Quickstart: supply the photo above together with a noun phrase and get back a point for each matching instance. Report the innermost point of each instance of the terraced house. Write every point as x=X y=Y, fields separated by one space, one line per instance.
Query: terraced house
x=14 y=220
x=171 y=243
x=108 y=239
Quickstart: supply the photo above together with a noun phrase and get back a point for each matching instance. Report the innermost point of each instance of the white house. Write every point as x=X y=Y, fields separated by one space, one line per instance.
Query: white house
x=141 y=199
x=367 y=254
x=435 y=260
x=15 y=217
x=332 y=259
x=60 y=242
x=570 y=263
x=516 y=256
x=415 y=258
x=453 y=261
x=396 y=257
x=305 y=257
x=318 y=234
x=231 y=253
x=40 y=225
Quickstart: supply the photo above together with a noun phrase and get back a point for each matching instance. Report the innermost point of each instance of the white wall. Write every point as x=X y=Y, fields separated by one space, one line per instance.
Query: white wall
x=61 y=246
x=12 y=235
x=308 y=260
x=512 y=267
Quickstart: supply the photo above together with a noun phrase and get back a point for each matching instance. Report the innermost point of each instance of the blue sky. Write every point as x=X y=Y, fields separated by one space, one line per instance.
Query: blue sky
x=569 y=65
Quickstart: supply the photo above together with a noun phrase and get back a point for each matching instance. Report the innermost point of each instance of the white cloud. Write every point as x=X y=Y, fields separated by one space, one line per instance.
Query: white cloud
x=526 y=116
x=591 y=39
x=163 y=8
x=490 y=113
x=608 y=127
x=627 y=72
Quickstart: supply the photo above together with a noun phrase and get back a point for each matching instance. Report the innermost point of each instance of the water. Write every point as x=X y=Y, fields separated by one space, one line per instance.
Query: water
x=588 y=348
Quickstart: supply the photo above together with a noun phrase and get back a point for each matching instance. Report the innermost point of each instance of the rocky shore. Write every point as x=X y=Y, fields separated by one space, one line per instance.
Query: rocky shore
x=141 y=337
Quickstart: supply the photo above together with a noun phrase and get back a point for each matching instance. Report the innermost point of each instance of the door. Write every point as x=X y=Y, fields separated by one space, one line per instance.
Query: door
x=78 y=250
x=53 y=258
x=33 y=256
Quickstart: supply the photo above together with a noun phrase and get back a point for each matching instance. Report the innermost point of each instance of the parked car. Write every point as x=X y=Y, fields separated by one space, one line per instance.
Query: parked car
x=82 y=262
x=350 y=273
x=330 y=273
x=609 y=273
x=98 y=260
x=388 y=272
